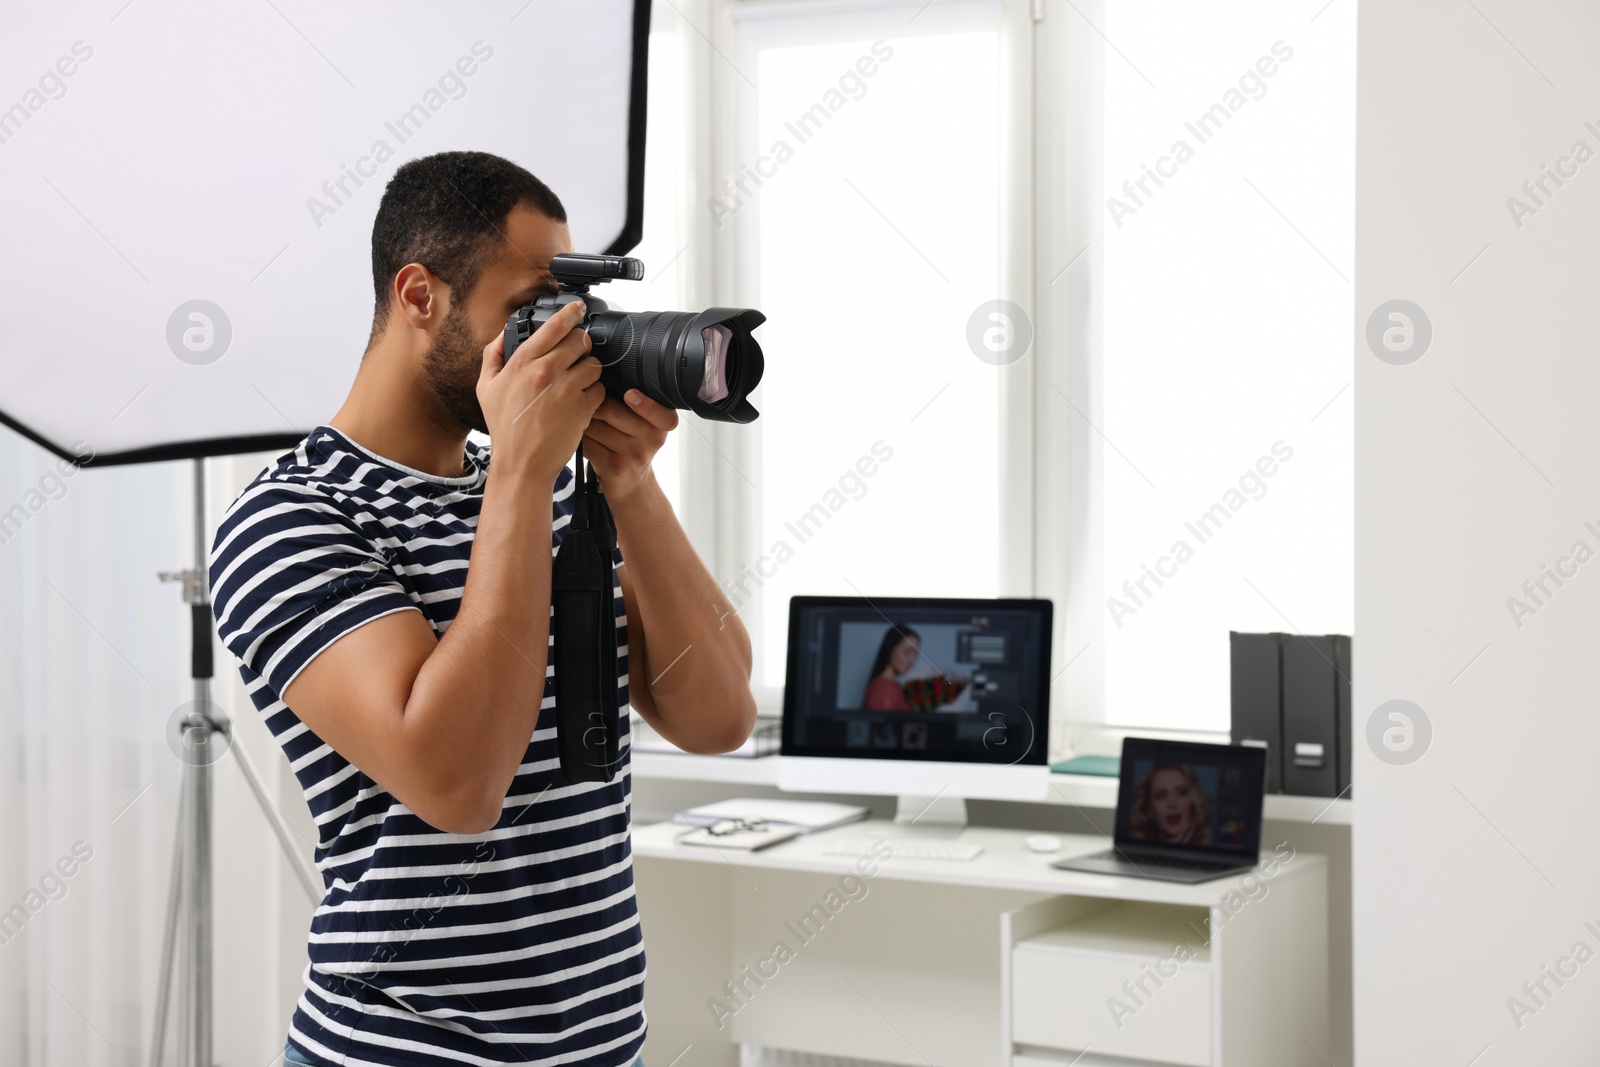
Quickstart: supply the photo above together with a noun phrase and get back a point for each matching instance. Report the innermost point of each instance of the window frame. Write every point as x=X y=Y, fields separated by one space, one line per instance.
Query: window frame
x=1052 y=230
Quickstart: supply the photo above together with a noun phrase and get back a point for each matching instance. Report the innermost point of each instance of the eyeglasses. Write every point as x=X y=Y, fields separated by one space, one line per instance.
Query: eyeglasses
x=725 y=827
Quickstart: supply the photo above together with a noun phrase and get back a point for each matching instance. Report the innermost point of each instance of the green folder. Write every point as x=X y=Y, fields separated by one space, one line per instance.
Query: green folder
x=1103 y=766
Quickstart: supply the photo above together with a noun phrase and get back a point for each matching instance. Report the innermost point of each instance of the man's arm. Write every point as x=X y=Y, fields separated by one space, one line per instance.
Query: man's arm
x=443 y=725
x=689 y=656
x=692 y=681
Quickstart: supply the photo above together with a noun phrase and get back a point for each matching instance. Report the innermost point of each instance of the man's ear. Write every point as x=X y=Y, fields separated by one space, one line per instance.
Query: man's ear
x=421 y=297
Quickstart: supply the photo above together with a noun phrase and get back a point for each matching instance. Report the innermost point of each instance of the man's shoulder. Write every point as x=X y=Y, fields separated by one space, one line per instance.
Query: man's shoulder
x=313 y=473
x=304 y=508
x=323 y=473
x=314 y=485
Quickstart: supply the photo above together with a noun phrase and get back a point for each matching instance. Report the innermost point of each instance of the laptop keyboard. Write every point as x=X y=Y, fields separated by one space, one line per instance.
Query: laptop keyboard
x=1149 y=860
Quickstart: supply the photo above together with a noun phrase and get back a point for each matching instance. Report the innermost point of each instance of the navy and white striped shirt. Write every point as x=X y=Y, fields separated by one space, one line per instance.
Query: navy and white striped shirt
x=518 y=945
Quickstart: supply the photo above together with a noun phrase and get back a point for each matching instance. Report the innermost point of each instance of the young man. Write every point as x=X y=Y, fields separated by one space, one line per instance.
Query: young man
x=387 y=591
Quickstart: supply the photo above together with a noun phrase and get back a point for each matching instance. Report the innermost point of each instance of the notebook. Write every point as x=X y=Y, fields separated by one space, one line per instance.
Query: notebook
x=737 y=839
x=804 y=815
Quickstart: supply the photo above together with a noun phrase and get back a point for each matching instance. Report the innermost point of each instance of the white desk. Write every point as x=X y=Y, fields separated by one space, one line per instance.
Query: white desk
x=1082 y=790
x=999 y=961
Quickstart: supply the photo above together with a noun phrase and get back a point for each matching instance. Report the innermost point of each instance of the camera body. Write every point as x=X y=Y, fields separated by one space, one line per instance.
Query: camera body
x=706 y=362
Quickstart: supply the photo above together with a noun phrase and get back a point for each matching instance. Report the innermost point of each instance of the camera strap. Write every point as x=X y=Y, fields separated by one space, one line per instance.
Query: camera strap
x=585 y=635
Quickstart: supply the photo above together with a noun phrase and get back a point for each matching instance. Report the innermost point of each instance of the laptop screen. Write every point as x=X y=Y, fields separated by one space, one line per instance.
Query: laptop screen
x=1193 y=798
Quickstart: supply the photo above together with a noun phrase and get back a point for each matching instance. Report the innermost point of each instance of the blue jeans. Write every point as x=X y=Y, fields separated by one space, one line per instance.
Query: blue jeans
x=294 y=1059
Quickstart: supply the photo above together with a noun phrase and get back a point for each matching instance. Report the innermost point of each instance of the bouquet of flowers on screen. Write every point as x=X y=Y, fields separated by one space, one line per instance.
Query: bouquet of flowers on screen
x=933 y=692
x=892 y=666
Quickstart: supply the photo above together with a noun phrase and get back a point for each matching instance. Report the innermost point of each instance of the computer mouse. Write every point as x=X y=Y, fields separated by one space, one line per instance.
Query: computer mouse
x=1043 y=843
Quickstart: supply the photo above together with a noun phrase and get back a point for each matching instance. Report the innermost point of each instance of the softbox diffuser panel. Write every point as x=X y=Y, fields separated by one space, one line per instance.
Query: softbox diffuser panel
x=189 y=191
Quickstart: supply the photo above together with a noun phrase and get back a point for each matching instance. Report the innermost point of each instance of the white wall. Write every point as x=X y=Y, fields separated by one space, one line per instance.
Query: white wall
x=1476 y=465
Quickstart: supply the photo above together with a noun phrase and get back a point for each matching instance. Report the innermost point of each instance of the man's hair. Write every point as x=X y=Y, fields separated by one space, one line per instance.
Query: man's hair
x=447 y=211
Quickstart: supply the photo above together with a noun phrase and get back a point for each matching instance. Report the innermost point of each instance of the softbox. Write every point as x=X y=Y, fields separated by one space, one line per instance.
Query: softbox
x=189 y=191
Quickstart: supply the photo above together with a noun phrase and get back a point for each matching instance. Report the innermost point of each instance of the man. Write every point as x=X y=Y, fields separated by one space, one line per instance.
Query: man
x=387 y=591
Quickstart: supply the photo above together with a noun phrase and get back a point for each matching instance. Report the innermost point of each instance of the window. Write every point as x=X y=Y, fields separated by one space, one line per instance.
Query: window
x=866 y=199
x=853 y=171
x=1224 y=405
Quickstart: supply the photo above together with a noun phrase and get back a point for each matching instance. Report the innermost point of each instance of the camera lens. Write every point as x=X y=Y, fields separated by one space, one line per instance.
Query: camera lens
x=706 y=362
x=716 y=340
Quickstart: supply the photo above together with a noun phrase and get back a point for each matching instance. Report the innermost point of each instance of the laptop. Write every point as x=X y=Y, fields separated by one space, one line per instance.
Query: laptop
x=1186 y=812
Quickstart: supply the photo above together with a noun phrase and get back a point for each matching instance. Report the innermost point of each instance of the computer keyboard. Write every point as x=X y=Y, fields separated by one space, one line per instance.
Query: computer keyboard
x=904 y=848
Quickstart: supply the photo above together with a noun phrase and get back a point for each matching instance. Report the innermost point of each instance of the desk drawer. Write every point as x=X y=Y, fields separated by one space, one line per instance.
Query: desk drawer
x=1072 y=1000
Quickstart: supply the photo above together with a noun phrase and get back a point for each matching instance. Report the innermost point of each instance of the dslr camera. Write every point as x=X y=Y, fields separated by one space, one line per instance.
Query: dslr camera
x=706 y=362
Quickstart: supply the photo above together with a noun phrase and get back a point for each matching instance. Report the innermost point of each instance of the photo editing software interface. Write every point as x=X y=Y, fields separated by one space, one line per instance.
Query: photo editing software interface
x=1194 y=796
x=963 y=681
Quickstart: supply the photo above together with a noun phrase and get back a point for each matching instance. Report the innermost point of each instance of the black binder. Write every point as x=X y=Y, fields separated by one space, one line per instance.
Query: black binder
x=1342 y=660
x=1311 y=679
x=1256 y=682
x=1291 y=696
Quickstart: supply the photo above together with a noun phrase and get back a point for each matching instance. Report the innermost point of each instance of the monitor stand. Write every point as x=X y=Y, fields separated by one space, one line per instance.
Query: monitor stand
x=935 y=816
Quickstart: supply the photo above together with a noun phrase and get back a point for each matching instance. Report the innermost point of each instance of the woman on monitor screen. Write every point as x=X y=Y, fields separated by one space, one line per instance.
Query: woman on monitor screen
x=1171 y=807
x=897 y=654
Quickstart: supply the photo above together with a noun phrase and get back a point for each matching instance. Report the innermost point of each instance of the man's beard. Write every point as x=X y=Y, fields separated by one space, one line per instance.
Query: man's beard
x=452 y=366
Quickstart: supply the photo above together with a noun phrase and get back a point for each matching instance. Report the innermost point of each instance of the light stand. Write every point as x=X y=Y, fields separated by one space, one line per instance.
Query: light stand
x=202 y=735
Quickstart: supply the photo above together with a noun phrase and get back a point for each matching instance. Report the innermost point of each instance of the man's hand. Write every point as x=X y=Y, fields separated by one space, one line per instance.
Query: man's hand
x=538 y=402
x=623 y=439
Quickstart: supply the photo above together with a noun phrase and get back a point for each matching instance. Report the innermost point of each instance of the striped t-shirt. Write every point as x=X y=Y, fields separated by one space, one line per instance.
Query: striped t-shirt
x=517 y=945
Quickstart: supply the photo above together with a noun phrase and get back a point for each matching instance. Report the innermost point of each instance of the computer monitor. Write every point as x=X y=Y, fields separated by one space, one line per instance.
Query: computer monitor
x=917 y=697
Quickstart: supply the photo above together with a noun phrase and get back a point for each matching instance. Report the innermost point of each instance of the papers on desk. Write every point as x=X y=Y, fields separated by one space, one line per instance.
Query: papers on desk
x=734 y=838
x=803 y=816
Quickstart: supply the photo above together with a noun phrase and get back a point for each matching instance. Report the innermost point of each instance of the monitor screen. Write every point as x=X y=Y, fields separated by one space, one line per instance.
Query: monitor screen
x=966 y=681
x=1179 y=794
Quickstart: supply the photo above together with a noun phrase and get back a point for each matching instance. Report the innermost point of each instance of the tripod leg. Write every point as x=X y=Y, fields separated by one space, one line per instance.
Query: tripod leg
x=169 y=937
x=200 y=903
x=280 y=826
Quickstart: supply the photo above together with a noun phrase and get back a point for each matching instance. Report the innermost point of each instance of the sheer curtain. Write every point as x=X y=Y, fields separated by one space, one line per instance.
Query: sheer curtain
x=91 y=666
x=94 y=658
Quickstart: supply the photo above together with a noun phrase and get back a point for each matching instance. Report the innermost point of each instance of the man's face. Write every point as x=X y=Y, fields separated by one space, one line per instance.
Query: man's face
x=516 y=272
